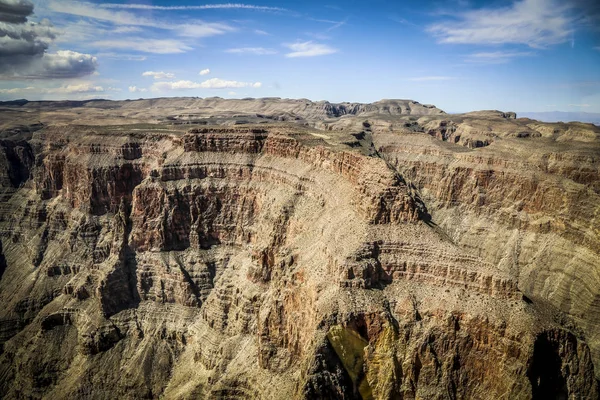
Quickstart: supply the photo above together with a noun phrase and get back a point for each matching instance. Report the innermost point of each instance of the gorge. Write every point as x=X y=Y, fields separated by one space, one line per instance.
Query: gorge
x=271 y=248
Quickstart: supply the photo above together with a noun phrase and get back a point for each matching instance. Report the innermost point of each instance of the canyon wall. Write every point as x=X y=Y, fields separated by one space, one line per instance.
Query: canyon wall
x=277 y=261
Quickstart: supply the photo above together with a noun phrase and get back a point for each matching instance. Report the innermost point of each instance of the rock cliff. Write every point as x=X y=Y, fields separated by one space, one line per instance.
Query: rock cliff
x=372 y=251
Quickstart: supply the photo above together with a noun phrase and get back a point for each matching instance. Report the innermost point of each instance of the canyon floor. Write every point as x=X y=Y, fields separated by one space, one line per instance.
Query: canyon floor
x=185 y=248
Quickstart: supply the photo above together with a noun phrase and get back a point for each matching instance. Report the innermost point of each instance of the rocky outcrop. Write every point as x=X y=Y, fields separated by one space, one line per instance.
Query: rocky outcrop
x=281 y=261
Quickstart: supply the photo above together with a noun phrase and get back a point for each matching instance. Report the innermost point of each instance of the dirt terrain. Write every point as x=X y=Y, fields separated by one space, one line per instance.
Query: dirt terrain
x=183 y=248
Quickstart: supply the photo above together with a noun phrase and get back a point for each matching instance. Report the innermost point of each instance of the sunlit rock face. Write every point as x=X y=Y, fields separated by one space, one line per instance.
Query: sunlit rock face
x=373 y=251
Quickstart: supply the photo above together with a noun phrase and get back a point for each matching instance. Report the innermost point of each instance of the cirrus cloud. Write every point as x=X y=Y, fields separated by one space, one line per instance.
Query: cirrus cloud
x=309 y=49
x=431 y=78
x=156 y=46
x=198 y=7
x=496 y=57
x=258 y=51
x=99 y=12
x=535 y=23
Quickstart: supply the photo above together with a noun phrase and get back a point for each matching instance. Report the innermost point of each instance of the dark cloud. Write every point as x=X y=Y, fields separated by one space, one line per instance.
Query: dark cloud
x=15 y=11
x=68 y=64
x=11 y=49
x=62 y=64
x=24 y=45
x=28 y=39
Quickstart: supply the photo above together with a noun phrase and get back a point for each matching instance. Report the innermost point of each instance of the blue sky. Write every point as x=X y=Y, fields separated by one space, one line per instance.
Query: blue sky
x=528 y=55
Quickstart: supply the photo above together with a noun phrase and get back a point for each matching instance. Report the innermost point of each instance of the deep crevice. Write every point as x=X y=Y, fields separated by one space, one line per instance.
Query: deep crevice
x=545 y=374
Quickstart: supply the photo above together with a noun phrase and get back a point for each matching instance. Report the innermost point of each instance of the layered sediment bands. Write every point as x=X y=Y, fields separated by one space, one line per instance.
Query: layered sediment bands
x=275 y=261
x=380 y=263
x=92 y=176
x=535 y=222
x=383 y=197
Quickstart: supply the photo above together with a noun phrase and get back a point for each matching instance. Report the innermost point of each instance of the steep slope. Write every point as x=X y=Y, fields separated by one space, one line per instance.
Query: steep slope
x=372 y=259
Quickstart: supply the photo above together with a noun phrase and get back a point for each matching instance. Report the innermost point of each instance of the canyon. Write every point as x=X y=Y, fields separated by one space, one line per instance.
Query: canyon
x=183 y=248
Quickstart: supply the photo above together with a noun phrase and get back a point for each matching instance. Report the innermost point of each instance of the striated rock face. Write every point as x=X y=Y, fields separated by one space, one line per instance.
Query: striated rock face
x=377 y=258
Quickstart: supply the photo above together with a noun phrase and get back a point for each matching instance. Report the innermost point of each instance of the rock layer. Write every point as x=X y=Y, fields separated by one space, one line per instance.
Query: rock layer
x=376 y=258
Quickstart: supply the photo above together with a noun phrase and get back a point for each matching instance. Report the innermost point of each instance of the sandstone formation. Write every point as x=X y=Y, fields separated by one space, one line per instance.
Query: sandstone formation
x=267 y=248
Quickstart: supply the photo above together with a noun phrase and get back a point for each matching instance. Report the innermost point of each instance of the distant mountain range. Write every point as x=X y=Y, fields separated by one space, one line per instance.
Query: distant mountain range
x=564 y=116
x=548 y=116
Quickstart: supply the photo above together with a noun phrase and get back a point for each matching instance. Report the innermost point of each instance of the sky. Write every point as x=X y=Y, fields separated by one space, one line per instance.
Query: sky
x=460 y=55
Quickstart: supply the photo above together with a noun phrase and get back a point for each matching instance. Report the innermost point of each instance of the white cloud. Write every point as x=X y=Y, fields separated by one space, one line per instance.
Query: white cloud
x=82 y=31
x=196 y=28
x=325 y=21
x=122 y=56
x=157 y=46
x=199 y=7
x=261 y=32
x=536 y=23
x=336 y=25
x=93 y=11
x=214 y=83
x=159 y=75
x=80 y=88
x=496 y=57
x=107 y=24
x=178 y=85
x=431 y=78
x=204 y=72
x=68 y=89
x=126 y=29
x=259 y=51
x=309 y=49
x=17 y=90
x=579 y=105
x=402 y=21
x=135 y=89
x=200 y=29
x=231 y=93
